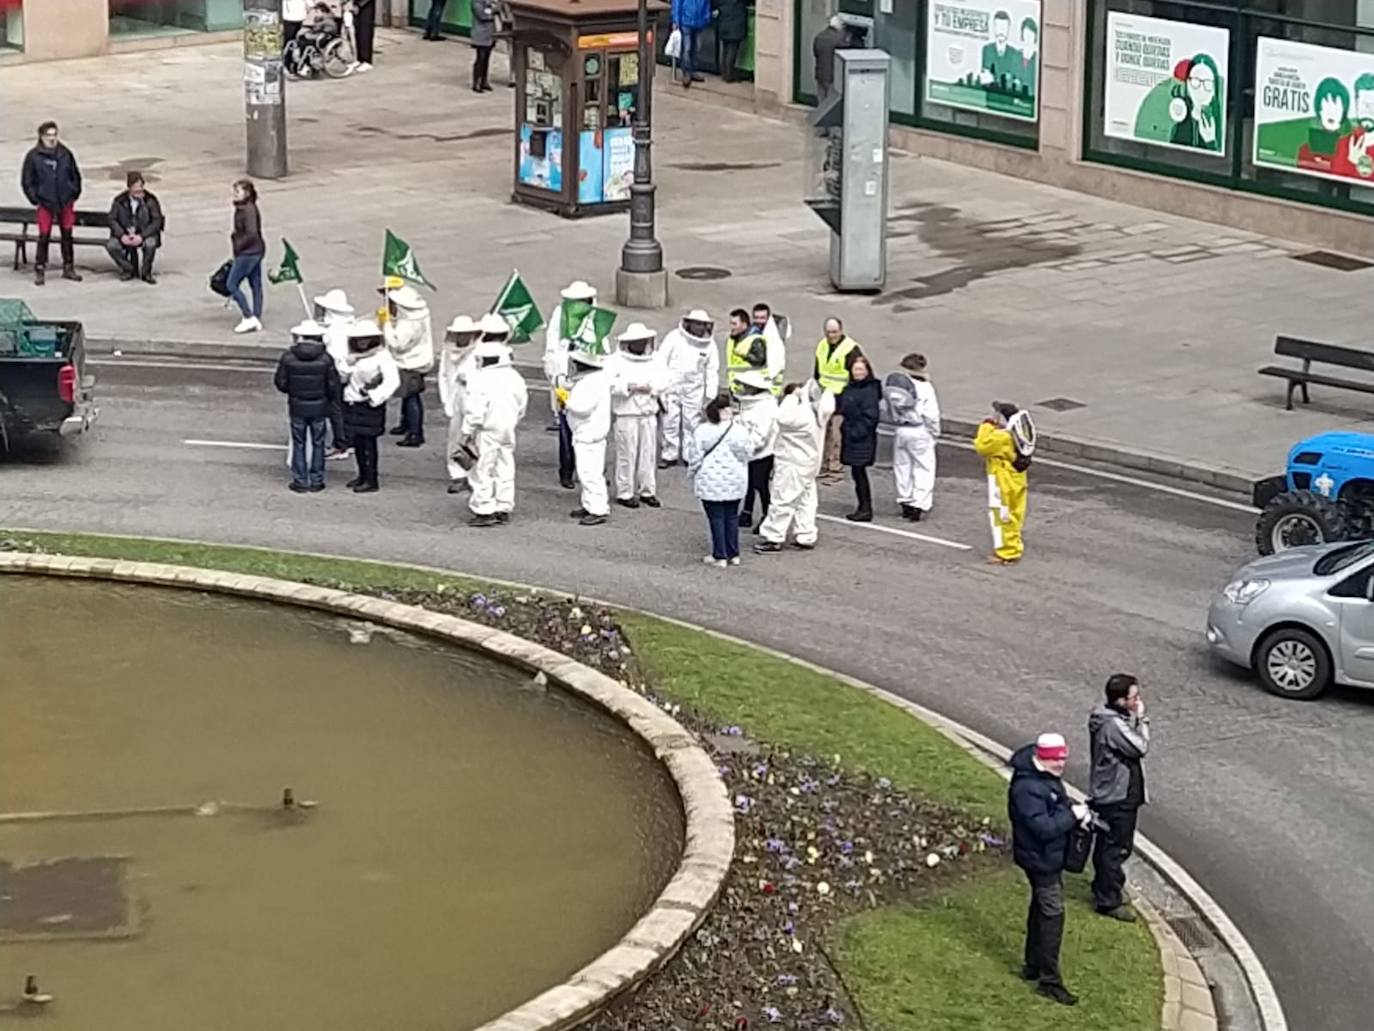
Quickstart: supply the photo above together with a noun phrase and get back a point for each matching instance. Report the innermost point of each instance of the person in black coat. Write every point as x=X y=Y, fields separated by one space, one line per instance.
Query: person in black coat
x=308 y=377
x=861 y=408
x=51 y=180
x=136 y=225
x=1042 y=817
x=732 y=28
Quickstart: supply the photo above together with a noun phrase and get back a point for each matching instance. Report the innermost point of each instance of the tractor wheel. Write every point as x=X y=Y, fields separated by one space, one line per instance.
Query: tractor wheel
x=1300 y=518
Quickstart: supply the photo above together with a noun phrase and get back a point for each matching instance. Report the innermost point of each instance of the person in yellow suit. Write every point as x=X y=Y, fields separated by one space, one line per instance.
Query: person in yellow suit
x=1006 y=442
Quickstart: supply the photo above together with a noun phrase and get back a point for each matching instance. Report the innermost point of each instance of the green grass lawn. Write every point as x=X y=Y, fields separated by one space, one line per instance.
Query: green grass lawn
x=946 y=965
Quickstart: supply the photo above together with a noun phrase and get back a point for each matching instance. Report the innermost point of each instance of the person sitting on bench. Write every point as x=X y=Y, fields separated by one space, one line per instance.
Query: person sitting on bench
x=135 y=230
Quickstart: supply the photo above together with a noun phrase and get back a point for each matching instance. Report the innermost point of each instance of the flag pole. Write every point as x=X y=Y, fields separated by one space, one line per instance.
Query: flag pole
x=309 y=311
x=510 y=280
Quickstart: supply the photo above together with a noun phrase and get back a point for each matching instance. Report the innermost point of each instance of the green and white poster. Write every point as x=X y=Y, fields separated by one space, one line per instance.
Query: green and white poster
x=1314 y=110
x=1166 y=82
x=984 y=55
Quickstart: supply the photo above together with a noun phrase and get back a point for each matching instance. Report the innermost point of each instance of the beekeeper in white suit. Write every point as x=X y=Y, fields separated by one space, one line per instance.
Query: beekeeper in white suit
x=494 y=404
x=333 y=311
x=587 y=405
x=691 y=365
x=456 y=365
x=801 y=421
x=636 y=385
x=578 y=299
x=914 y=411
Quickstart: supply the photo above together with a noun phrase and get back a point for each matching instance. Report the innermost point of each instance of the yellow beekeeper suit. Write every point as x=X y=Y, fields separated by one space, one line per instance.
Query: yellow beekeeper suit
x=1006 y=489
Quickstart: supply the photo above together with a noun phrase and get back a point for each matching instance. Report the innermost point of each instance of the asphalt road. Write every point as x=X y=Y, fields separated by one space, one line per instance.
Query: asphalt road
x=1265 y=801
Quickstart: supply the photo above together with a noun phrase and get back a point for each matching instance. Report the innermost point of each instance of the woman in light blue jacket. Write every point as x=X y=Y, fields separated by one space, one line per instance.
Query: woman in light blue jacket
x=718 y=454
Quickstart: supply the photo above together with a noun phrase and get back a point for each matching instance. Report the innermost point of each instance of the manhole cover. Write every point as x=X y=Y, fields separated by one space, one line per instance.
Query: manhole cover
x=1060 y=404
x=705 y=272
x=64 y=899
x=1330 y=259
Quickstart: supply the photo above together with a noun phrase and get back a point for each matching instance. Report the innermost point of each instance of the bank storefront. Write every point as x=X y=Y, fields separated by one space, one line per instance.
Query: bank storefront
x=1261 y=98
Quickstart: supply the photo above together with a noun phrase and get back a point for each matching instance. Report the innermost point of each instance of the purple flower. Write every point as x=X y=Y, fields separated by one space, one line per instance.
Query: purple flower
x=497 y=611
x=479 y=601
x=761 y=771
x=732 y=731
x=792 y=907
x=775 y=845
x=743 y=803
x=833 y=779
x=788 y=927
x=773 y=1014
x=846 y=847
x=834 y=1016
x=787 y=979
x=991 y=840
x=884 y=783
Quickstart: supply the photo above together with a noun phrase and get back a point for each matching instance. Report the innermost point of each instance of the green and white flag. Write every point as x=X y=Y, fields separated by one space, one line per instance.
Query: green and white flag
x=398 y=259
x=517 y=307
x=289 y=271
x=594 y=332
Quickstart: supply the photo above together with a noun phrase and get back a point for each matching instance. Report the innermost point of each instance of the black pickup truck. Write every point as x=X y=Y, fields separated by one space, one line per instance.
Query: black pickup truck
x=44 y=388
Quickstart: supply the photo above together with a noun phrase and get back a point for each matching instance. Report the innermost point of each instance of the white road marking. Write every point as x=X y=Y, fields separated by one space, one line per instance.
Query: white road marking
x=900 y=533
x=245 y=445
x=208 y=366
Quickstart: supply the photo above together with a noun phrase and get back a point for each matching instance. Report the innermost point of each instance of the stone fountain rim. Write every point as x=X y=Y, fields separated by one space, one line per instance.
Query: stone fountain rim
x=710 y=824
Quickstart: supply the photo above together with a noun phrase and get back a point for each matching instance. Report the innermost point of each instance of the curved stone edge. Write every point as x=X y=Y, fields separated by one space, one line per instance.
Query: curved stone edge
x=710 y=823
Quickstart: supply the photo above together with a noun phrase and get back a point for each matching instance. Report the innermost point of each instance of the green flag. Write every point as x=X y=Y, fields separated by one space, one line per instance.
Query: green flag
x=399 y=260
x=517 y=307
x=595 y=331
x=289 y=271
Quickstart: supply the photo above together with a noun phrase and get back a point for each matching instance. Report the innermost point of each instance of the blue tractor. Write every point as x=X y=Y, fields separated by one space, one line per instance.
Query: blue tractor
x=1326 y=495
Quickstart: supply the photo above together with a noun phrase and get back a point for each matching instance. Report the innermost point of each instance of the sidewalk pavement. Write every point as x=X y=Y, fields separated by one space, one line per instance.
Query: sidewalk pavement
x=1125 y=330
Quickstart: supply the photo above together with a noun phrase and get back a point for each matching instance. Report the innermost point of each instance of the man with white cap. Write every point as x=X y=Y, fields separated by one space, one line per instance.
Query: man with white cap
x=802 y=417
x=578 y=298
x=495 y=403
x=333 y=311
x=307 y=376
x=691 y=365
x=588 y=408
x=636 y=384
x=1042 y=819
x=455 y=370
x=411 y=343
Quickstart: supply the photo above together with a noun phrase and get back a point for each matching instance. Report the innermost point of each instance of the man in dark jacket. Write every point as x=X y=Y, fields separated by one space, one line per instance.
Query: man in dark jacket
x=136 y=224
x=306 y=374
x=732 y=29
x=51 y=181
x=1042 y=817
x=823 y=47
x=1119 y=736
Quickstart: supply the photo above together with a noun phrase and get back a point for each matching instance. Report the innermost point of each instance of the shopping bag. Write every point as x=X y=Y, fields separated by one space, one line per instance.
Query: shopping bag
x=673 y=48
x=1080 y=847
x=219 y=280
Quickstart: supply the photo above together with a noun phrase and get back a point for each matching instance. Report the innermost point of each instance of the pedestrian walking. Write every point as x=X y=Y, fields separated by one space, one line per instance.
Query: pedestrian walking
x=1042 y=818
x=1006 y=441
x=434 y=20
x=364 y=32
x=136 y=225
x=335 y=314
x=758 y=412
x=495 y=404
x=802 y=417
x=689 y=17
x=823 y=47
x=248 y=248
x=456 y=366
x=691 y=364
x=732 y=28
x=567 y=317
x=914 y=411
x=588 y=407
x=51 y=180
x=307 y=376
x=410 y=340
x=636 y=386
x=861 y=406
x=372 y=379
x=1119 y=737
x=718 y=454
x=483 y=38
x=836 y=353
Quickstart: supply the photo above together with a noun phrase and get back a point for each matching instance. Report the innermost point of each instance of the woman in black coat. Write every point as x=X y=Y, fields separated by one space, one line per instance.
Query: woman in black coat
x=861 y=406
x=732 y=28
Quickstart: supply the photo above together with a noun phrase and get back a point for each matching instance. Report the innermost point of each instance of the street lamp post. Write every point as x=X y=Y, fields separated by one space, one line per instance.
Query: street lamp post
x=641 y=280
x=264 y=89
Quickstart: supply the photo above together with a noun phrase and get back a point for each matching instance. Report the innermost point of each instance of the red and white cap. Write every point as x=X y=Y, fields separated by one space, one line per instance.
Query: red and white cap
x=1051 y=747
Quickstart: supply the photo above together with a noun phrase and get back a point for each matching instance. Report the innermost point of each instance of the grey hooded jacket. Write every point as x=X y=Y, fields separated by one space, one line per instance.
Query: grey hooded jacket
x=1118 y=742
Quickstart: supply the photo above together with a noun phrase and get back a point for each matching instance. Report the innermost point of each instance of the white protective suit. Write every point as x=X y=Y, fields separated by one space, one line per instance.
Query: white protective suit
x=495 y=402
x=760 y=413
x=556 y=345
x=589 y=417
x=456 y=365
x=408 y=335
x=775 y=362
x=692 y=369
x=636 y=384
x=802 y=417
x=915 y=415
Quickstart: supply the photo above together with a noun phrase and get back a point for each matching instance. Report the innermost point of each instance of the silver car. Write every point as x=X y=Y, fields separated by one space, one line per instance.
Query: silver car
x=1301 y=619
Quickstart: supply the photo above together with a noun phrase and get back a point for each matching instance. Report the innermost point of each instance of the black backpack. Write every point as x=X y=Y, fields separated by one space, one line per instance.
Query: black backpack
x=219 y=282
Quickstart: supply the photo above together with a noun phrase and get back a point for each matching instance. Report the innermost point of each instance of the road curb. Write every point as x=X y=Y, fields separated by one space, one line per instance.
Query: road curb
x=709 y=818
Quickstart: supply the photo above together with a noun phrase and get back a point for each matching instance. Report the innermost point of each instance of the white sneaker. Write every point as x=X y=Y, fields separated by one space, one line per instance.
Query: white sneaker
x=363 y=66
x=248 y=325
x=734 y=561
x=711 y=560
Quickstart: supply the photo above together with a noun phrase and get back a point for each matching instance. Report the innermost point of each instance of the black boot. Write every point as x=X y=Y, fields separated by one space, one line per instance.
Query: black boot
x=40 y=260
x=40 y=275
x=69 y=257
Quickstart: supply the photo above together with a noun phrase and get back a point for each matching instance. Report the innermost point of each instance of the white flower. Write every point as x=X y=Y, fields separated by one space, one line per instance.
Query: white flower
x=932 y=860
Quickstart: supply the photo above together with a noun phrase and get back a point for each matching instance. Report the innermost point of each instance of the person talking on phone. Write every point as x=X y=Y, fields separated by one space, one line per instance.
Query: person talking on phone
x=1119 y=737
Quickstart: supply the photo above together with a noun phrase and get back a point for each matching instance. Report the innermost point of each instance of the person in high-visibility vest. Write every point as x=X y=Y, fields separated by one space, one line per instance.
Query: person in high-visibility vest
x=745 y=349
x=835 y=356
x=774 y=330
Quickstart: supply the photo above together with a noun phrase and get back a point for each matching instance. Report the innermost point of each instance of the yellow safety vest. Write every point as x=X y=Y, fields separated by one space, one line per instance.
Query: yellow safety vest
x=832 y=364
x=737 y=357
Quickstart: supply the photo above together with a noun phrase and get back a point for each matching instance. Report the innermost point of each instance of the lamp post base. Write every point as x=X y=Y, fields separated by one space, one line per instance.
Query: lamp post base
x=641 y=289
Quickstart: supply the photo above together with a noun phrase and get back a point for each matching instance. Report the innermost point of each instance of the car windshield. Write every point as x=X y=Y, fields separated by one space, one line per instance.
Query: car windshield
x=1343 y=558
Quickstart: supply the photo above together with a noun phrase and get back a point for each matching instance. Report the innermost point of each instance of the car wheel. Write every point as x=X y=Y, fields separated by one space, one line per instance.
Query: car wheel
x=1299 y=518
x=1293 y=663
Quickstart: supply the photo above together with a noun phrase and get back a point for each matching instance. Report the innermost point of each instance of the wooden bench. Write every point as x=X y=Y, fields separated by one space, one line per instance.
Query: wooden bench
x=26 y=221
x=1309 y=351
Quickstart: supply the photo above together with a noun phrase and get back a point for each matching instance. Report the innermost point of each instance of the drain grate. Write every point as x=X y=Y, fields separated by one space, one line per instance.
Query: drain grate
x=1060 y=404
x=1192 y=932
x=703 y=272
x=1332 y=260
